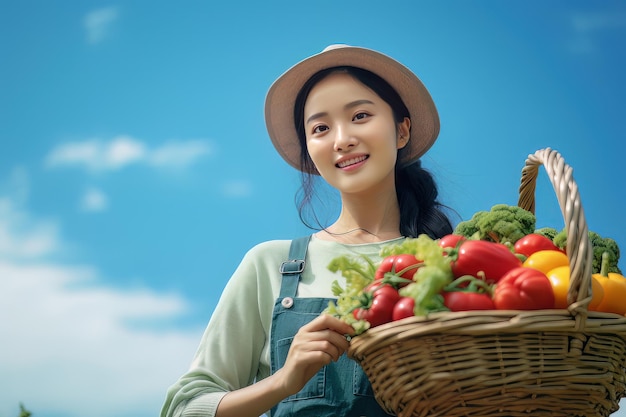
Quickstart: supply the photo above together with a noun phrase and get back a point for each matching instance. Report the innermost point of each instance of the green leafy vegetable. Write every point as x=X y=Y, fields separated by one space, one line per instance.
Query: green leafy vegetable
x=428 y=282
x=598 y=243
x=502 y=224
x=358 y=271
x=549 y=232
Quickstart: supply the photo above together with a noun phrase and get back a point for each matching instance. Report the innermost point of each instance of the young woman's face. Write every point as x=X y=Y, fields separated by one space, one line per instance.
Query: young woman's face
x=351 y=134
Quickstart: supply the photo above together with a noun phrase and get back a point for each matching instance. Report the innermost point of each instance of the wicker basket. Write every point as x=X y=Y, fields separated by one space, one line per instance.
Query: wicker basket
x=569 y=362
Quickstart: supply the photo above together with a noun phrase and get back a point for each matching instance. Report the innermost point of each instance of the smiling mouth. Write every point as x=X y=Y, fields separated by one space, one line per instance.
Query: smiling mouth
x=351 y=161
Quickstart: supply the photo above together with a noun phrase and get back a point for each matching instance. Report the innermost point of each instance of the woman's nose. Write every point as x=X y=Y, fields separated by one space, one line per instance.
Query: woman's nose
x=344 y=139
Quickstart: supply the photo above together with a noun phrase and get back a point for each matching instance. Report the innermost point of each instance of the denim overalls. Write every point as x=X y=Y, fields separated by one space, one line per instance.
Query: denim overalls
x=340 y=389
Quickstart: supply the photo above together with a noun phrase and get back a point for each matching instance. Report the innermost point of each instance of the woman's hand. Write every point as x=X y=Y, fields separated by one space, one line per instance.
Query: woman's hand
x=316 y=344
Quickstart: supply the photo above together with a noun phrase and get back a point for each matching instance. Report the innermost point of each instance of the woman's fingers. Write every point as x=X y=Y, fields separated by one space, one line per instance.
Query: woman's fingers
x=329 y=322
x=329 y=332
x=316 y=344
x=325 y=341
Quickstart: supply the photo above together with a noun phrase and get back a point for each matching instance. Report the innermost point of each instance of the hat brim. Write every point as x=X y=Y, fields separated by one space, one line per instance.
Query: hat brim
x=281 y=97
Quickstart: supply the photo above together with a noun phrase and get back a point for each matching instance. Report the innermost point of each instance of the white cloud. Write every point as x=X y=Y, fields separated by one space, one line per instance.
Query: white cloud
x=71 y=344
x=17 y=185
x=97 y=155
x=22 y=237
x=179 y=154
x=25 y=240
x=123 y=150
x=75 y=351
x=98 y=23
x=94 y=200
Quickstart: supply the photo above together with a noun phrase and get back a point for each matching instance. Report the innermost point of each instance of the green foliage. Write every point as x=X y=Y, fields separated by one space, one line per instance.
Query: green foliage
x=24 y=412
x=599 y=244
x=429 y=280
x=358 y=271
x=560 y=239
x=503 y=224
x=549 y=232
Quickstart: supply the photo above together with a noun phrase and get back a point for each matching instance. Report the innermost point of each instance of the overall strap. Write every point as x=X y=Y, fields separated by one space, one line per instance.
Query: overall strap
x=292 y=268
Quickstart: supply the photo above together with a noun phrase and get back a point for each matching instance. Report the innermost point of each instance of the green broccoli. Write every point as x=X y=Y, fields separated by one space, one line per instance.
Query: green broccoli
x=468 y=228
x=599 y=245
x=503 y=224
x=560 y=240
x=548 y=232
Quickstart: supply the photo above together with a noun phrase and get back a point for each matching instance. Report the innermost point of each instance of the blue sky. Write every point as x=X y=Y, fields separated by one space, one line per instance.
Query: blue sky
x=135 y=169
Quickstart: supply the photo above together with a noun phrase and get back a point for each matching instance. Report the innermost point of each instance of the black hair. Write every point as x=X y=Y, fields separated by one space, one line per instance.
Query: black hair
x=420 y=211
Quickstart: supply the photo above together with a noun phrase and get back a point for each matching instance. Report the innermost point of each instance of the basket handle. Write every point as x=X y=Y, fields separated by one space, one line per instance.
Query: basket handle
x=579 y=250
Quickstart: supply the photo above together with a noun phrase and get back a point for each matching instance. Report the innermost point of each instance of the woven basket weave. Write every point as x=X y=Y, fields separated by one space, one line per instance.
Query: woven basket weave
x=569 y=362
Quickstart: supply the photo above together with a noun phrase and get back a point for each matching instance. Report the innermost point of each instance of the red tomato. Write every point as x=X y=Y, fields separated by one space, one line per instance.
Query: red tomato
x=532 y=243
x=523 y=288
x=380 y=308
x=397 y=270
x=403 y=308
x=451 y=241
x=480 y=258
x=467 y=301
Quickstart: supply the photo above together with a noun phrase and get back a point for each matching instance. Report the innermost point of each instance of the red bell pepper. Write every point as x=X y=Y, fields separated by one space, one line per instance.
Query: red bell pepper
x=523 y=288
x=483 y=259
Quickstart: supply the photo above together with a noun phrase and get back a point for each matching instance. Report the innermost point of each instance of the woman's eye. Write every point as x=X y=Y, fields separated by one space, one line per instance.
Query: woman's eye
x=360 y=116
x=320 y=129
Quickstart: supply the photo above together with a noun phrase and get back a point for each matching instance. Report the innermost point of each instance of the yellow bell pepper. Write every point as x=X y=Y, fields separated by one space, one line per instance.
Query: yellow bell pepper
x=546 y=260
x=560 y=278
x=614 y=300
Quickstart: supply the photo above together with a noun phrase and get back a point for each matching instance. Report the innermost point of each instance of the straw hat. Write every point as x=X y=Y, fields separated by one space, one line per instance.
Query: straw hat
x=281 y=97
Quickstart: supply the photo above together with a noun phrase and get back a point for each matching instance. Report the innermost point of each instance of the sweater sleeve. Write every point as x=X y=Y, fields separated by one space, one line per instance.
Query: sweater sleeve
x=233 y=350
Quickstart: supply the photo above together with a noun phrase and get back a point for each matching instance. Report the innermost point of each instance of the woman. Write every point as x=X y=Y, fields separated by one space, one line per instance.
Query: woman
x=359 y=120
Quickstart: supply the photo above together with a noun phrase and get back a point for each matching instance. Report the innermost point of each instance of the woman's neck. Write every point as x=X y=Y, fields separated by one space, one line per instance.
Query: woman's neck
x=365 y=220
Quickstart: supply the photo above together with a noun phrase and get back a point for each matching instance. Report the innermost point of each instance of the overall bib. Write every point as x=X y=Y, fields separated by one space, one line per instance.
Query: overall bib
x=340 y=389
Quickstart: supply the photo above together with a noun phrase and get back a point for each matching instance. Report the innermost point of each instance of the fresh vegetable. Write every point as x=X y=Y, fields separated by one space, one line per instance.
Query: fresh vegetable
x=600 y=245
x=532 y=243
x=549 y=232
x=546 y=260
x=430 y=278
x=467 y=301
x=560 y=279
x=433 y=274
x=468 y=293
x=560 y=239
x=614 y=284
x=403 y=308
x=358 y=272
x=480 y=258
x=451 y=241
x=523 y=289
x=397 y=270
x=378 y=303
x=503 y=224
